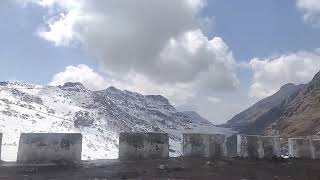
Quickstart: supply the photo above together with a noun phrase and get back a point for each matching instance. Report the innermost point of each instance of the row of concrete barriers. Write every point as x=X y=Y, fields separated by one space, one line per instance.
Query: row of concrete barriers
x=217 y=146
x=67 y=147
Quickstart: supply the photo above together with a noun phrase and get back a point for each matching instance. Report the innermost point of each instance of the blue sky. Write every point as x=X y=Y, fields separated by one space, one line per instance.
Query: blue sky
x=25 y=56
x=262 y=28
x=257 y=47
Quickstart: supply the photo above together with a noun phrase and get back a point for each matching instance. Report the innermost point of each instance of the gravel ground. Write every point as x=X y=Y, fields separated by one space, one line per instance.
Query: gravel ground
x=173 y=169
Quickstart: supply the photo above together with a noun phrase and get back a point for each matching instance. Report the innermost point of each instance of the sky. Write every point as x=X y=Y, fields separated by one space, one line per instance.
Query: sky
x=216 y=57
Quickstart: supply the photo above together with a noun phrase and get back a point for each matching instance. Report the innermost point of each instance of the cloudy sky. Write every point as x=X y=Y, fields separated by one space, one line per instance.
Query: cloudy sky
x=216 y=57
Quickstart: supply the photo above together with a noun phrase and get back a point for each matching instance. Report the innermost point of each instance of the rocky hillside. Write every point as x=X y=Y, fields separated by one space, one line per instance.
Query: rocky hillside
x=98 y=115
x=301 y=115
x=292 y=111
x=258 y=116
x=196 y=117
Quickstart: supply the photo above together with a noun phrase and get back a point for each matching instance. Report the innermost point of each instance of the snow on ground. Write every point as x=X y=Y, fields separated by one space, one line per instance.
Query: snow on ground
x=99 y=116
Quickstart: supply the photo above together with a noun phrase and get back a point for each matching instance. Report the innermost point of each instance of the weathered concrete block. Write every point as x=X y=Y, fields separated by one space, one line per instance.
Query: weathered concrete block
x=271 y=146
x=49 y=148
x=204 y=145
x=284 y=146
x=300 y=148
x=258 y=147
x=143 y=146
x=231 y=145
x=316 y=148
x=0 y=142
x=249 y=146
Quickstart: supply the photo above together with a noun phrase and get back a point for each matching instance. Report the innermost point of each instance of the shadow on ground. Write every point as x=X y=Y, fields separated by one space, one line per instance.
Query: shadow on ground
x=173 y=169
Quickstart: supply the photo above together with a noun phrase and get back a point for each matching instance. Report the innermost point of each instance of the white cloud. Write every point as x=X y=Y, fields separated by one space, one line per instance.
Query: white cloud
x=214 y=99
x=178 y=93
x=159 y=40
x=272 y=73
x=310 y=10
x=81 y=73
x=147 y=46
x=60 y=31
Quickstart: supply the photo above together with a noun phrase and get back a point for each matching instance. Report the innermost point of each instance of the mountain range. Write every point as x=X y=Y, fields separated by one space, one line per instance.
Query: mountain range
x=292 y=111
x=98 y=115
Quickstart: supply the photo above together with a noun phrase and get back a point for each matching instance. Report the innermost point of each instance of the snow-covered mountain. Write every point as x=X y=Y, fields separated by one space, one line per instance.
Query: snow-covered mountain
x=98 y=115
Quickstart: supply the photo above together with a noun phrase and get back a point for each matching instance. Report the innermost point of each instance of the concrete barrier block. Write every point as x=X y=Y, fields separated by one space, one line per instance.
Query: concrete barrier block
x=0 y=142
x=300 y=148
x=231 y=145
x=204 y=145
x=284 y=146
x=137 y=146
x=41 y=148
x=249 y=146
x=258 y=147
x=316 y=148
x=271 y=146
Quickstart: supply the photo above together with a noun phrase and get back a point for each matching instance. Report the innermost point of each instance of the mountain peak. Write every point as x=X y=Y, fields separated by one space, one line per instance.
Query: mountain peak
x=73 y=86
x=113 y=90
x=4 y=83
x=197 y=117
x=288 y=86
x=316 y=79
x=317 y=76
x=159 y=98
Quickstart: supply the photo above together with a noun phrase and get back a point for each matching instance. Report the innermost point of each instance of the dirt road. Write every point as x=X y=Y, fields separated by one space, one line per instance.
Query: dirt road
x=173 y=169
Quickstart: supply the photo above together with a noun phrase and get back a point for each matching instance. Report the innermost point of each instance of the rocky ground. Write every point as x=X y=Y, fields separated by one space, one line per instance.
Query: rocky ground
x=173 y=169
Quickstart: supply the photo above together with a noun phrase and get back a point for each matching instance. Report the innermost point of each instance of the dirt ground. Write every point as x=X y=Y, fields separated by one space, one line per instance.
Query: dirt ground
x=173 y=169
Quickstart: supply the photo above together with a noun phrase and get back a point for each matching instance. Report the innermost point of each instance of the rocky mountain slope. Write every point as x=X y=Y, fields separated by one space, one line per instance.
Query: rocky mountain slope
x=264 y=112
x=301 y=115
x=196 y=117
x=98 y=115
x=292 y=111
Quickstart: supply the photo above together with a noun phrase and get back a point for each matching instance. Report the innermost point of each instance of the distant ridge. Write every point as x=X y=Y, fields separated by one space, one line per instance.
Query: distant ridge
x=292 y=111
x=197 y=118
